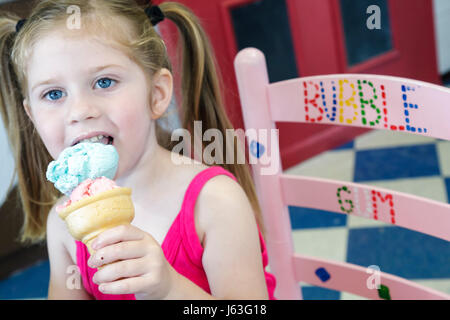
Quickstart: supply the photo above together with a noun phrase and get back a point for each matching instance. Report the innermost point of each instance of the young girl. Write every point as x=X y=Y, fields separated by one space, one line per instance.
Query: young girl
x=196 y=232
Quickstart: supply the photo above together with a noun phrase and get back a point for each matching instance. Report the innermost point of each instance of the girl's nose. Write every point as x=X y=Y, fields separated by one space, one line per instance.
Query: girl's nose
x=82 y=109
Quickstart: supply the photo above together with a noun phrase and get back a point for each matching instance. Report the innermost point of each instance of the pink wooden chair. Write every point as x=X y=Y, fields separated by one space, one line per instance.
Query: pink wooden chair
x=373 y=101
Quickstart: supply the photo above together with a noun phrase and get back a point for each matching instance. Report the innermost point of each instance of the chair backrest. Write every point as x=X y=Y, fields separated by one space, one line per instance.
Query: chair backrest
x=372 y=101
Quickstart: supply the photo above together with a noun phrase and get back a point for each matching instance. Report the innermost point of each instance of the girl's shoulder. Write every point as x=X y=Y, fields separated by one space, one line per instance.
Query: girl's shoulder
x=212 y=181
x=219 y=197
x=230 y=238
x=210 y=194
x=221 y=188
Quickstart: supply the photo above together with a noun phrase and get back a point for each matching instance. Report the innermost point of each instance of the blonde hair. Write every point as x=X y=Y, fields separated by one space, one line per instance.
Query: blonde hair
x=200 y=87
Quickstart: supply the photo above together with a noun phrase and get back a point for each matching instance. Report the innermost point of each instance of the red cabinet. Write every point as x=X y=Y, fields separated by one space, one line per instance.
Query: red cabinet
x=318 y=37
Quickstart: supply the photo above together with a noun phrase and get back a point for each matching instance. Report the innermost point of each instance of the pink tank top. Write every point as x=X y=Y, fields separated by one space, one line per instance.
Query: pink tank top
x=181 y=246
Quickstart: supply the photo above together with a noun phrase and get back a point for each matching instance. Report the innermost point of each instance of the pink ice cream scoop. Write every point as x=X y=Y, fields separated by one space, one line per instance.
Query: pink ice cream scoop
x=88 y=188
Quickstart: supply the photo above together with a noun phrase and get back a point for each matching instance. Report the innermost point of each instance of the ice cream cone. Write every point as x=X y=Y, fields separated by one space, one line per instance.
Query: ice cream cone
x=90 y=216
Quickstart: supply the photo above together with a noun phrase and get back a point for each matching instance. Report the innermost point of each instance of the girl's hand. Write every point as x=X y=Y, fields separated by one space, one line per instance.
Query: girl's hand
x=135 y=264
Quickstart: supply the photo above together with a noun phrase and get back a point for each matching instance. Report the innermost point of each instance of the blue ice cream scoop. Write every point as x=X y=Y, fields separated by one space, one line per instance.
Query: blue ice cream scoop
x=81 y=161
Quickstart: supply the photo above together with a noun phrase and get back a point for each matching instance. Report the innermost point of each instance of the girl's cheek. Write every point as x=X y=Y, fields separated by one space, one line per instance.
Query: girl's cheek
x=52 y=134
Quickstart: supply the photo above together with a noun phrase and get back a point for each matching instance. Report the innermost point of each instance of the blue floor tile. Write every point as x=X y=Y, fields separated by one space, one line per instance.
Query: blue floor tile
x=447 y=186
x=348 y=145
x=400 y=251
x=29 y=283
x=396 y=163
x=305 y=218
x=318 y=293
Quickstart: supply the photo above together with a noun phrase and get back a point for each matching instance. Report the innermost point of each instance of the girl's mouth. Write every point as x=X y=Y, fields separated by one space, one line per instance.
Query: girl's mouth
x=97 y=139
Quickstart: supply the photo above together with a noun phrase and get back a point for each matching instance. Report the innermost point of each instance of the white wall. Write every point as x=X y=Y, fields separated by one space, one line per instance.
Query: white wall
x=6 y=164
x=442 y=29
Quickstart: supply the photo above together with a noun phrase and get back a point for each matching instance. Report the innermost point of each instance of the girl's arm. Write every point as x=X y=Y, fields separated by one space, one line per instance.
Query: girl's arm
x=232 y=254
x=61 y=265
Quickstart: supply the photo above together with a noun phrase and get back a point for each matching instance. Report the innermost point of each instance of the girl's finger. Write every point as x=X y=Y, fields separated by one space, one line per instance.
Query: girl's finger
x=125 y=232
x=119 y=270
x=118 y=251
x=124 y=286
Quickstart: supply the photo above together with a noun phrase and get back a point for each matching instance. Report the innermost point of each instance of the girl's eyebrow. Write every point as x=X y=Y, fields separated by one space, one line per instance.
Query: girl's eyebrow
x=92 y=70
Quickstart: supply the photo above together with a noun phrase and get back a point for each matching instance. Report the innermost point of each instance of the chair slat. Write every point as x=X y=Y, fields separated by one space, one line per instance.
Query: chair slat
x=358 y=280
x=370 y=101
x=397 y=208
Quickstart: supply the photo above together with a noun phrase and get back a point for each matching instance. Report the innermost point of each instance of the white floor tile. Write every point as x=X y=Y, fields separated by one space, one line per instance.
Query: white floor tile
x=360 y=222
x=326 y=243
x=443 y=150
x=428 y=187
x=337 y=165
x=351 y=296
x=387 y=138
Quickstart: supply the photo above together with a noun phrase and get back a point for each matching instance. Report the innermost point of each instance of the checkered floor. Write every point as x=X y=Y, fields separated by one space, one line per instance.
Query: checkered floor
x=402 y=162
x=398 y=161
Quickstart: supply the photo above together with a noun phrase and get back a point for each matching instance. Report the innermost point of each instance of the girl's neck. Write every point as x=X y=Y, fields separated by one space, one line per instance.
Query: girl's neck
x=147 y=175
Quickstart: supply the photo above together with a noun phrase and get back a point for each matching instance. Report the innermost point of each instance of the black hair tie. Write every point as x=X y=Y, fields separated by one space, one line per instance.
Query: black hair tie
x=20 y=24
x=155 y=14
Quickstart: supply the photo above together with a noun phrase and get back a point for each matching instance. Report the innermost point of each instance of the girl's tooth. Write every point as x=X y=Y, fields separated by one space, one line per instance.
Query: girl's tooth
x=94 y=139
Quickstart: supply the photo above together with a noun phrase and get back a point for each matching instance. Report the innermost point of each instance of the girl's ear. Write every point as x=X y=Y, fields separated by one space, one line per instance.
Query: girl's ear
x=162 y=86
x=26 y=105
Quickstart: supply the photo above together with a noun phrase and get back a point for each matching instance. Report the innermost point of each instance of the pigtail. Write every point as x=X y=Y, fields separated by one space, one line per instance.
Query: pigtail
x=202 y=94
x=30 y=155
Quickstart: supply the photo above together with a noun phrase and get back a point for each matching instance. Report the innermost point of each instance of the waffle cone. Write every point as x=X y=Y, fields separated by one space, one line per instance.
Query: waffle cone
x=88 y=217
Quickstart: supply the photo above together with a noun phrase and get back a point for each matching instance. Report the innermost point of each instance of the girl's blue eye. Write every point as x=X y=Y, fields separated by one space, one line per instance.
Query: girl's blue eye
x=104 y=83
x=51 y=93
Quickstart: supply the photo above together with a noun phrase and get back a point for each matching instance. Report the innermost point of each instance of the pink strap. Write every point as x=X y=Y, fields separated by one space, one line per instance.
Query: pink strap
x=188 y=225
x=188 y=209
x=82 y=257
